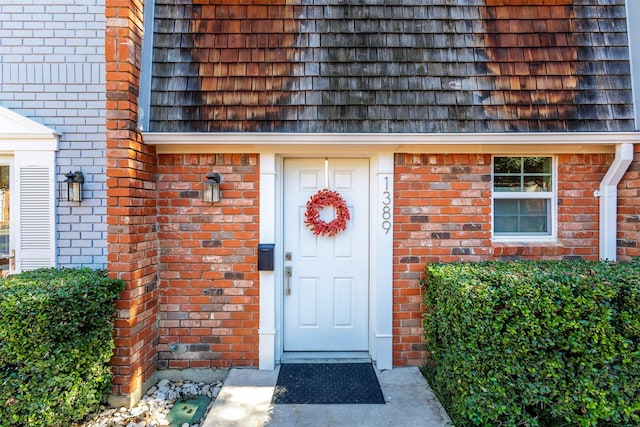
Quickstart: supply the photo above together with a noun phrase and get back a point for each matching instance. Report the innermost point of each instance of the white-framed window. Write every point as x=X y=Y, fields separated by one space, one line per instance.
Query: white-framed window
x=27 y=160
x=524 y=197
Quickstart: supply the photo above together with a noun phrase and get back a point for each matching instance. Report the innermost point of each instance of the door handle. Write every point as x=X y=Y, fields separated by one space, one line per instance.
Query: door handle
x=12 y=260
x=287 y=278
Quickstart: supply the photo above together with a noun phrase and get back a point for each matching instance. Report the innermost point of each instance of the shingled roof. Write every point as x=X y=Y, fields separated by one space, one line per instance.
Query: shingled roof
x=390 y=66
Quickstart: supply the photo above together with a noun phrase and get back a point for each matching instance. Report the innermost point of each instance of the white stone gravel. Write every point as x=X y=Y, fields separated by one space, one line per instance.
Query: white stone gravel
x=153 y=408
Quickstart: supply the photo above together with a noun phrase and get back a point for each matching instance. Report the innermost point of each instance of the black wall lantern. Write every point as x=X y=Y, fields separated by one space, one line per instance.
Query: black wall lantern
x=211 y=188
x=74 y=183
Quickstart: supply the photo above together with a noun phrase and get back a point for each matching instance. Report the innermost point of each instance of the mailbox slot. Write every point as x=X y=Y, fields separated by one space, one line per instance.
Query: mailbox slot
x=266 y=256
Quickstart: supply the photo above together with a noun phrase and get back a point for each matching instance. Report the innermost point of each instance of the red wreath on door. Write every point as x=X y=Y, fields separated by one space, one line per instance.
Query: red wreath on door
x=316 y=203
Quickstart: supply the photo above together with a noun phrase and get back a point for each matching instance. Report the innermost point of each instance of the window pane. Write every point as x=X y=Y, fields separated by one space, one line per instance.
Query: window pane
x=507 y=183
x=533 y=224
x=537 y=183
x=507 y=165
x=521 y=216
x=537 y=165
x=506 y=225
x=532 y=207
x=506 y=216
x=4 y=218
x=506 y=207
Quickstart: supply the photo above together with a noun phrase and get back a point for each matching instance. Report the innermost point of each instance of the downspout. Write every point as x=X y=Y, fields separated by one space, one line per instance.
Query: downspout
x=608 y=194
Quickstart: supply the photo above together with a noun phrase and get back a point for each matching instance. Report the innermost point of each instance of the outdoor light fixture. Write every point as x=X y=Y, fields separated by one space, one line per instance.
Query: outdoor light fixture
x=74 y=183
x=211 y=188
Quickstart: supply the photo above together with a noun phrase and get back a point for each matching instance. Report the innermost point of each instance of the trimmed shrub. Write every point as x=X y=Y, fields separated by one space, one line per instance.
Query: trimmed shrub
x=56 y=337
x=535 y=343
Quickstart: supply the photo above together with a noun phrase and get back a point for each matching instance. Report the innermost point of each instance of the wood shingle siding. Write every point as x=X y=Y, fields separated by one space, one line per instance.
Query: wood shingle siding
x=393 y=66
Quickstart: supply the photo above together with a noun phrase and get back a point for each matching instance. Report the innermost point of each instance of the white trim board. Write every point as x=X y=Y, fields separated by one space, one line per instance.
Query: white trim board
x=19 y=133
x=404 y=142
x=270 y=349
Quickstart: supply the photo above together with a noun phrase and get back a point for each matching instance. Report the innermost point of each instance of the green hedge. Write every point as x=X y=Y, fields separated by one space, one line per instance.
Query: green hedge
x=535 y=343
x=56 y=337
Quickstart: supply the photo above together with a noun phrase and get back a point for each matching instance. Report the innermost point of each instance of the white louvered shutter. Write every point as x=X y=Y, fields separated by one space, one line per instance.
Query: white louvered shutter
x=35 y=216
x=35 y=219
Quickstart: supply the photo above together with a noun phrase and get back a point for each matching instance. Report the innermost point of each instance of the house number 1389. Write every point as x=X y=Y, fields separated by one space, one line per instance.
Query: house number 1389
x=386 y=207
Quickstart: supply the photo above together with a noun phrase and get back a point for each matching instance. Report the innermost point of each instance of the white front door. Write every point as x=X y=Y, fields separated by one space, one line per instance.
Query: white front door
x=326 y=307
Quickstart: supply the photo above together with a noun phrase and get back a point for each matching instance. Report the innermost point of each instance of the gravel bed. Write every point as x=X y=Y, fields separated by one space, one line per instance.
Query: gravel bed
x=153 y=408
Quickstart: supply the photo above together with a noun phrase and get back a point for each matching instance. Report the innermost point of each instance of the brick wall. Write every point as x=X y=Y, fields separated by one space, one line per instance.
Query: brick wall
x=443 y=214
x=579 y=176
x=629 y=210
x=52 y=71
x=209 y=312
x=132 y=211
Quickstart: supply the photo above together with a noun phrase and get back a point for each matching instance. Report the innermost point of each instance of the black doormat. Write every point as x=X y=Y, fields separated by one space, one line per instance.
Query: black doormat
x=327 y=383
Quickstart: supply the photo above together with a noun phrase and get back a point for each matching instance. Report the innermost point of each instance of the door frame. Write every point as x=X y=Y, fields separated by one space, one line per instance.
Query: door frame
x=270 y=333
x=361 y=333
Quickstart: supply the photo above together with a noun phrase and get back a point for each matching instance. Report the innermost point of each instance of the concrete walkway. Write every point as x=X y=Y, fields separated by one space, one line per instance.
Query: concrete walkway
x=245 y=401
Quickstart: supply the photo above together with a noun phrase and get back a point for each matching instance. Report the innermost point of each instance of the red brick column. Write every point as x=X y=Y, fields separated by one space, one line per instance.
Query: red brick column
x=131 y=210
x=629 y=210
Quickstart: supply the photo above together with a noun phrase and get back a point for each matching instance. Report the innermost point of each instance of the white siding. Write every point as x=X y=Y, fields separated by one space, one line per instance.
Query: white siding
x=52 y=70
